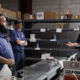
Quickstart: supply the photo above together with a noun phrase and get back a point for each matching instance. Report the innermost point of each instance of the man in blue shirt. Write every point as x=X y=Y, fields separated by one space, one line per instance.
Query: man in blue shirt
x=18 y=41
x=6 y=53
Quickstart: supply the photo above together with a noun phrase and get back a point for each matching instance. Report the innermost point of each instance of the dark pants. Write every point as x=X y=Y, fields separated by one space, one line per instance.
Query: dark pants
x=19 y=60
x=12 y=68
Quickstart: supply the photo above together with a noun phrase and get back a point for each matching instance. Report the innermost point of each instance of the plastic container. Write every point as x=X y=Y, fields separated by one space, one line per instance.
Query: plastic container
x=51 y=65
x=55 y=62
x=37 y=45
x=54 y=36
x=43 y=56
x=6 y=73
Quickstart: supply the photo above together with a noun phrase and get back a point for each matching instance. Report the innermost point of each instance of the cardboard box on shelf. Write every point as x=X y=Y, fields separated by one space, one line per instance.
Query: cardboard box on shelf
x=68 y=12
x=71 y=70
x=76 y=16
x=34 y=17
x=28 y=16
x=64 y=17
x=48 y=15
x=18 y=14
x=8 y=12
x=57 y=15
x=70 y=16
x=59 y=25
x=40 y=15
x=0 y=8
x=73 y=17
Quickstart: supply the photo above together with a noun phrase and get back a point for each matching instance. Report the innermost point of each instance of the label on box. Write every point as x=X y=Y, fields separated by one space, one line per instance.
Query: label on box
x=76 y=29
x=40 y=15
x=52 y=39
x=70 y=71
x=32 y=36
x=42 y=30
x=67 y=12
x=31 y=17
x=33 y=40
x=59 y=30
x=62 y=17
x=71 y=67
x=76 y=17
x=37 y=48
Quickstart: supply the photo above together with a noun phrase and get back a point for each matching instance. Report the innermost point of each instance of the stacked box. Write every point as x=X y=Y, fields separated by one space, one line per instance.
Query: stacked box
x=57 y=15
x=48 y=15
x=59 y=25
x=68 y=12
x=18 y=14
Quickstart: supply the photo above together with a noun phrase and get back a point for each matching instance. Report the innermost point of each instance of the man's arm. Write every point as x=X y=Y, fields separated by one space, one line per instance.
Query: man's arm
x=22 y=43
x=14 y=38
x=7 y=61
x=25 y=44
x=72 y=44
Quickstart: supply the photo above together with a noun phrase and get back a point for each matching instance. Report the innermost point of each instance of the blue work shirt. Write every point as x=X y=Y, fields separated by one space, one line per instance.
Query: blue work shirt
x=15 y=35
x=5 y=49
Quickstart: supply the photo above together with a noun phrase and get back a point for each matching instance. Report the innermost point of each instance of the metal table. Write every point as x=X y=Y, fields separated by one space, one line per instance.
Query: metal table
x=40 y=71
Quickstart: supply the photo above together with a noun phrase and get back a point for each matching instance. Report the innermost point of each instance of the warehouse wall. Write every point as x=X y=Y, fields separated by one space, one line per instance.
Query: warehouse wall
x=10 y=4
x=56 y=5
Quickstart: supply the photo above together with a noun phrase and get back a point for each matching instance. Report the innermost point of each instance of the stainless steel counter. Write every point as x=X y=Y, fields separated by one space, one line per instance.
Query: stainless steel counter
x=40 y=71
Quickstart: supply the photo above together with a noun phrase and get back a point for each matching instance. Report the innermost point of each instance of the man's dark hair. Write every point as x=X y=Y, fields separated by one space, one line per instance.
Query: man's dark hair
x=17 y=22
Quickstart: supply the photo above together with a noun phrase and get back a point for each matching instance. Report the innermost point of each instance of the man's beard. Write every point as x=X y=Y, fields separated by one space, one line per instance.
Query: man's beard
x=3 y=29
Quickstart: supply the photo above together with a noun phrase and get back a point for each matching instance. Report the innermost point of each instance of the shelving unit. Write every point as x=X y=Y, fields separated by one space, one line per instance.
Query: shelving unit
x=51 y=49
x=48 y=29
x=52 y=40
x=32 y=58
x=11 y=18
x=53 y=21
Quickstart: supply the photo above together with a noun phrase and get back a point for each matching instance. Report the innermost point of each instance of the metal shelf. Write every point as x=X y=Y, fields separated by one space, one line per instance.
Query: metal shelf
x=12 y=18
x=53 y=21
x=52 y=49
x=31 y=58
x=39 y=59
x=52 y=40
x=49 y=29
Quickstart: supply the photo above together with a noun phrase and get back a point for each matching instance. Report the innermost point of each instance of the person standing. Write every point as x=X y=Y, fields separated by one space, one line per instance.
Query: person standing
x=6 y=53
x=18 y=41
x=76 y=44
